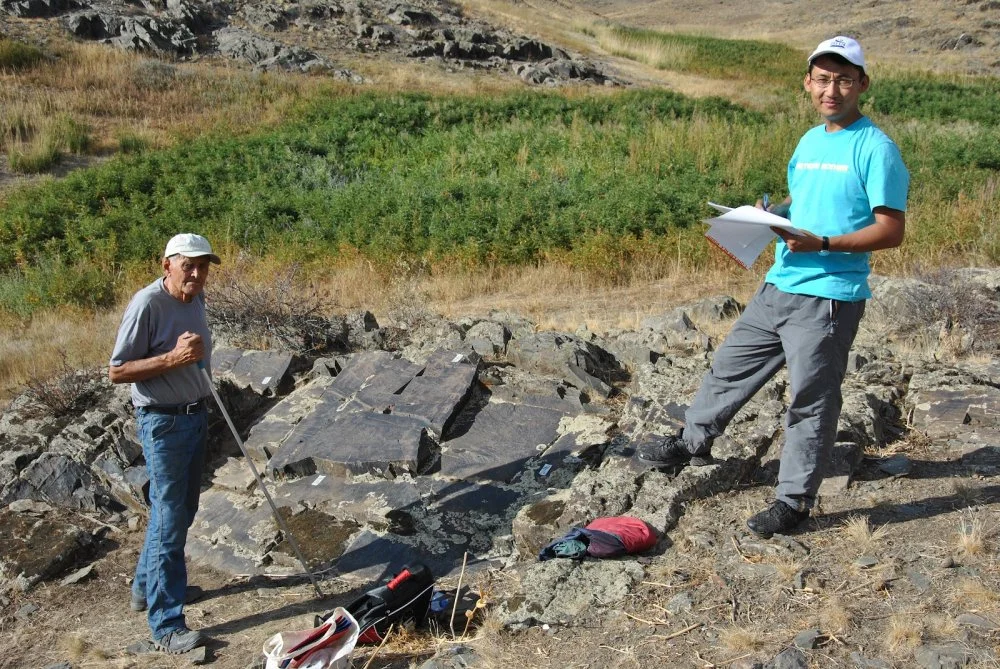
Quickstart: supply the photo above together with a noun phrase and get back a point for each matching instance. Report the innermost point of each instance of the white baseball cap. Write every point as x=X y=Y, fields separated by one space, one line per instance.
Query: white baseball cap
x=846 y=47
x=190 y=245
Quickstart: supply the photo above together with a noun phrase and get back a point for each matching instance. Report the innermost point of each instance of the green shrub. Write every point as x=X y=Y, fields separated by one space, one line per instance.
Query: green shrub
x=611 y=182
x=930 y=97
x=53 y=282
x=18 y=56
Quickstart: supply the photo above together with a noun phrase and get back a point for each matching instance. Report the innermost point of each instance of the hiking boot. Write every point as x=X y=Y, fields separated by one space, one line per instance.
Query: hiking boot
x=191 y=594
x=658 y=451
x=778 y=519
x=179 y=641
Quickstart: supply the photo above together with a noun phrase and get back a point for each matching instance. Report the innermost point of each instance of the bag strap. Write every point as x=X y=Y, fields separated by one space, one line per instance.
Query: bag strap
x=398 y=608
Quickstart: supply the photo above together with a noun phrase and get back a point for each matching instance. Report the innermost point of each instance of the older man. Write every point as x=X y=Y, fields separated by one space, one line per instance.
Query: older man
x=163 y=334
x=848 y=188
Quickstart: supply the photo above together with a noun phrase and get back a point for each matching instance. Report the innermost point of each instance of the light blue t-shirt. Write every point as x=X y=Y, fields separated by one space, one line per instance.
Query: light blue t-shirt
x=152 y=322
x=836 y=179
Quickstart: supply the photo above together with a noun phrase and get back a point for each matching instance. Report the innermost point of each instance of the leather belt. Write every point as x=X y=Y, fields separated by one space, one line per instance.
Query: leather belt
x=177 y=409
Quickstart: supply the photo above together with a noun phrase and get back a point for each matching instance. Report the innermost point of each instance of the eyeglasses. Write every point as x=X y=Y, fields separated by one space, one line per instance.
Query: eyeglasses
x=843 y=83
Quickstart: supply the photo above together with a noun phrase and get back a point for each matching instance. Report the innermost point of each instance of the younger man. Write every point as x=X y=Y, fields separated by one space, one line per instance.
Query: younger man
x=848 y=189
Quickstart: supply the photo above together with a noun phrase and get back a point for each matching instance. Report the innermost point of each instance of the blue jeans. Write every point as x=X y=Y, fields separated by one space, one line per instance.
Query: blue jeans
x=174 y=447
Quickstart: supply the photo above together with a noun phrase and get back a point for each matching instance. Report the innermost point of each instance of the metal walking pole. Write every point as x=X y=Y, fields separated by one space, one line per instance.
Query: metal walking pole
x=260 y=481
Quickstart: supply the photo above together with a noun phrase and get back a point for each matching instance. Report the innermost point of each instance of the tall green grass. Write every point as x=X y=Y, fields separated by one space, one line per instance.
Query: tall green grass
x=751 y=61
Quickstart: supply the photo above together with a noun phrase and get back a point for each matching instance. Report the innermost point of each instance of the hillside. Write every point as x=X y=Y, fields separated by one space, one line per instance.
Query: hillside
x=581 y=194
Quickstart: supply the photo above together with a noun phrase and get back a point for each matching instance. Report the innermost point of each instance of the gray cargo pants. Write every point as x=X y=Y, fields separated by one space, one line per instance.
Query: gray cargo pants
x=813 y=335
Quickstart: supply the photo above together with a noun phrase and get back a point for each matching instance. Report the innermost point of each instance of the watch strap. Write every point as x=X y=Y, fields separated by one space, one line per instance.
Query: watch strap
x=826 y=243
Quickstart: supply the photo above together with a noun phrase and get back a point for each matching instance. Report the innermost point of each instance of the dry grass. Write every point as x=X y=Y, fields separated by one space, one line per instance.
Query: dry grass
x=975 y=595
x=835 y=617
x=787 y=569
x=858 y=533
x=941 y=627
x=113 y=93
x=554 y=296
x=967 y=494
x=904 y=634
x=972 y=536
x=742 y=639
x=35 y=350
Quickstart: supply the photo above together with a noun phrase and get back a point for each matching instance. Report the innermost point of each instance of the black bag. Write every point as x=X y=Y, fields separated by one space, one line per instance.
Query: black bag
x=405 y=598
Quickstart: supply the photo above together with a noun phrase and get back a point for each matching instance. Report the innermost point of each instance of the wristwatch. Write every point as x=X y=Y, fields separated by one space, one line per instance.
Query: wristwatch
x=825 y=248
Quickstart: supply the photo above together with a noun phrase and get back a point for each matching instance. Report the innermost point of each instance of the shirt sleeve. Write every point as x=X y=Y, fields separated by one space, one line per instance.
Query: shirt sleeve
x=132 y=342
x=887 y=181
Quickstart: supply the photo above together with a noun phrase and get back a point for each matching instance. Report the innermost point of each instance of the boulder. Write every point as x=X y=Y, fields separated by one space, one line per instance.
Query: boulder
x=264 y=16
x=558 y=591
x=528 y=50
x=133 y=33
x=578 y=362
x=39 y=9
x=412 y=16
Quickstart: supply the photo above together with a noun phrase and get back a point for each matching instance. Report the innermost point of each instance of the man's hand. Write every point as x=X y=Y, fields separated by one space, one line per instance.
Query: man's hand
x=189 y=348
x=885 y=233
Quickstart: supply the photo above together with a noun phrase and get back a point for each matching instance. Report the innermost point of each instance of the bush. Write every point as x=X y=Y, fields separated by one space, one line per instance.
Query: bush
x=69 y=392
x=53 y=282
x=129 y=142
x=279 y=312
x=18 y=56
x=154 y=75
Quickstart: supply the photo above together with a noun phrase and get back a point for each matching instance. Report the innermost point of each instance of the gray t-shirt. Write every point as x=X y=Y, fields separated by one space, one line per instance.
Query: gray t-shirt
x=153 y=321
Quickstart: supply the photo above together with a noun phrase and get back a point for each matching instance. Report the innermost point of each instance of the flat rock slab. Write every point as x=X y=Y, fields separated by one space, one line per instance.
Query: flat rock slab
x=232 y=532
x=942 y=413
x=353 y=443
x=559 y=590
x=373 y=379
x=234 y=475
x=264 y=372
x=437 y=393
x=383 y=504
x=499 y=442
x=268 y=434
x=33 y=549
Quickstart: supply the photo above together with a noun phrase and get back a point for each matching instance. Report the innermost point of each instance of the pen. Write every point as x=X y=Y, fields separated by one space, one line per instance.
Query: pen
x=766 y=201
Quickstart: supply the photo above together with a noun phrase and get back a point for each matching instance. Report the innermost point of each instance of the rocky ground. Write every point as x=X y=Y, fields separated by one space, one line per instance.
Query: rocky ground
x=897 y=568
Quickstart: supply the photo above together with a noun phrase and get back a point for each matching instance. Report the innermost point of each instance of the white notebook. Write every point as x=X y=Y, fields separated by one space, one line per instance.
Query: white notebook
x=744 y=232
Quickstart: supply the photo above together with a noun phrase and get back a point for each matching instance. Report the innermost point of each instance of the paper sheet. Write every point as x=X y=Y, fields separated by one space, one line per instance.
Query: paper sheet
x=743 y=233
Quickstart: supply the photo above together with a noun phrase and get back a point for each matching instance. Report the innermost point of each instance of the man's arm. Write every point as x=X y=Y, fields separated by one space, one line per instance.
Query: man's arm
x=885 y=233
x=189 y=349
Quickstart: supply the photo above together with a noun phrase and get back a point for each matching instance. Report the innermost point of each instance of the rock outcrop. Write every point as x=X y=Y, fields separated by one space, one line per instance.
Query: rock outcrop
x=308 y=36
x=485 y=438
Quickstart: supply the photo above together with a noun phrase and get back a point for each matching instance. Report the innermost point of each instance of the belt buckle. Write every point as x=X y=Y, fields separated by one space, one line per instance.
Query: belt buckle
x=192 y=408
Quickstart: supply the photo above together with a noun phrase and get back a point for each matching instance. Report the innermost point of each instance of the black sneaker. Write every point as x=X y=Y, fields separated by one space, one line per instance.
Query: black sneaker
x=179 y=641
x=778 y=519
x=658 y=451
